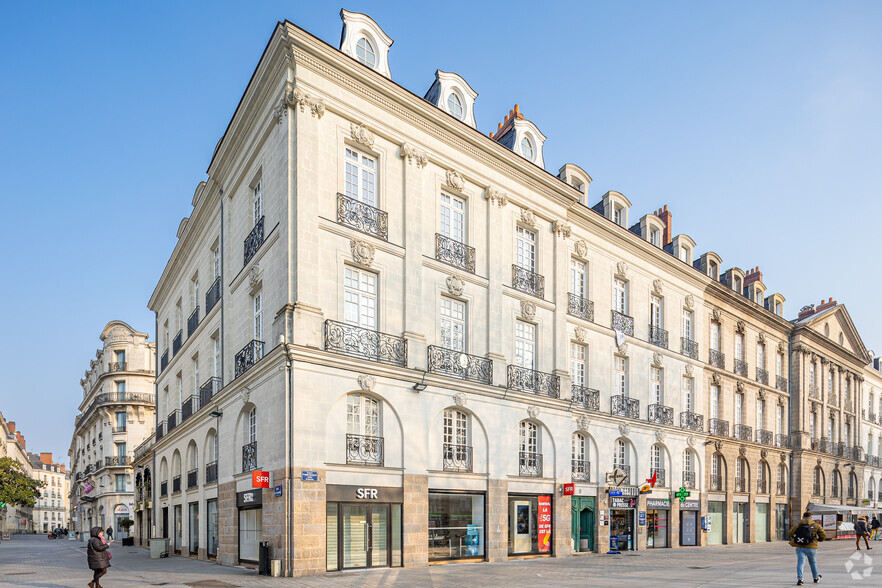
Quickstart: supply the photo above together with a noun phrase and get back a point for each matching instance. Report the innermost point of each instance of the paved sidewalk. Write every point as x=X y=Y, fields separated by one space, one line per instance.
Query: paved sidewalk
x=38 y=562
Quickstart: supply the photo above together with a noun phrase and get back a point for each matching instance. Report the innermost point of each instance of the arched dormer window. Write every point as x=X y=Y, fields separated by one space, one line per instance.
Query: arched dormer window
x=365 y=41
x=454 y=105
x=527 y=148
x=365 y=53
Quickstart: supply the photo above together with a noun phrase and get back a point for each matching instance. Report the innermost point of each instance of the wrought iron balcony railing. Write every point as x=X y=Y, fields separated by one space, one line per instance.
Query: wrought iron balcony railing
x=658 y=336
x=119 y=429
x=580 y=307
x=781 y=383
x=587 y=398
x=661 y=414
x=163 y=361
x=253 y=241
x=457 y=458
x=533 y=382
x=825 y=446
x=740 y=484
x=743 y=433
x=765 y=437
x=362 y=217
x=458 y=364
x=689 y=480
x=177 y=342
x=660 y=480
x=213 y=295
x=716 y=358
x=364 y=450
x=741 y=367
x=452 y=252
x=360 y=342
x=782 y=441
x=815 y=392
x=692 y=421
x=249 y=457
x=163 y=489
x=762 y=376
x=621 y=405
x=839 y=449
x=622 y=323
x=116 y=366
x=527 y=281
x=116 y=460
x=176 y=484
x=211 y=472
x=782 y=488
x=174 y=419
x=689 y=348
x=248 y=356
x=192 y=479
x=208 y=389
x=581 y=469
x=189 y=407
x=193 y=321
x=761 y=486
x=718 y=427
x=855 y=453
x=160 y=430
x=816 y=490
x=529 y=464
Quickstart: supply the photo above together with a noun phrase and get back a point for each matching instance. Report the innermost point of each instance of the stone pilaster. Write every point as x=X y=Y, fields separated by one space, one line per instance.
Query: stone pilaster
x=416 y=520
x=309 y=537
x=228 y=524
x=497 y=520
x=561 y=527
x=674 y=523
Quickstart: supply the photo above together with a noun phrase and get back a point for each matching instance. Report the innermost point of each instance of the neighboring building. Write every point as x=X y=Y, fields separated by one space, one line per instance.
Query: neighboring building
x=116 y=414
x=15 y=518
x=142 y=462
x=52 y=509
x=871 y=430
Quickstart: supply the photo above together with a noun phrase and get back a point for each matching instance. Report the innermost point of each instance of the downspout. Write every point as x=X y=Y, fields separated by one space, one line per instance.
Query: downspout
x=790 y=421
x=289 y=455
x=155 y=426
x=222 y=332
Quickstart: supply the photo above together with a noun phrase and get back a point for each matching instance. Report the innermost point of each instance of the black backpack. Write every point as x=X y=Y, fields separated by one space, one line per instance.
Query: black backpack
x=804 y=535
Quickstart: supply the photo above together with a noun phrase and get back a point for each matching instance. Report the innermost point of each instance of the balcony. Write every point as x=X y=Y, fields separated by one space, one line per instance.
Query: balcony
x=782 y=489
x=587 y=398
x=626 y=469
x=689 y=348
x=716 y=358
x=855 y=453
x=248 y=356
x=364 y=450
x=119 y=429
x=659 y=474
x=782 y=441
x=741 y=368
x=761 y=486
x=529 y=464
x=176 y=484
x=211 y=472
x=189 y=407
x=765 y=437
x=253 y=241
x=365 y=343
x=193 y=322
x=839 y=449
x=718 y=427
x=661 y=414
x=208 y=389
x=533 y=382
x=622 y=323
x=457 y=458
x=249 y=457
x=581 y=469
x=213 y=295
x=580 y=307
x=116 y=461
x=658 y=336
x=692 y=421
x=762 y=376
x=192 y=479
x=740 y=484
x=160 y=430
x=743 y=433
x=461 y=365
x=689 y=480
x=815 y=392
x=174 y=419
x=452 y=252
x=816 y=490
x=362 y=217
x=163 y=489
x=825 y=446
x=781 y=383
x=621 y=405
x=177 y=342
x=163 y=361
x=117 y=366
x=527 y=281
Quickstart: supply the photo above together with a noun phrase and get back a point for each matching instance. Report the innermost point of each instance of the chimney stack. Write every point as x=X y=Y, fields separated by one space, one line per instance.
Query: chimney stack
x=46 y=458
x=830 y=303
x=665 y=215
x=11 y=426
x=21 y=439
x=753 y=275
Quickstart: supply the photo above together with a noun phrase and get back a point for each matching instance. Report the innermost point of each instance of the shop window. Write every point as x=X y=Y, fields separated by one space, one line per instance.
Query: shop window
x=456 y=526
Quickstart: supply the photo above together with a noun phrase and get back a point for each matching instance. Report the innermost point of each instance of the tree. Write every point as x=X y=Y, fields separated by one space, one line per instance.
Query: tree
x=16 y=488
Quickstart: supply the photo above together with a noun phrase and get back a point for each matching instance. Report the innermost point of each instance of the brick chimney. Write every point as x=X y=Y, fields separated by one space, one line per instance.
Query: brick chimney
x=21 y=439
x=46 y=458
x=807 y=310
x=830 y=303
x=665 y=215
x=11 y=426
x=753 y=275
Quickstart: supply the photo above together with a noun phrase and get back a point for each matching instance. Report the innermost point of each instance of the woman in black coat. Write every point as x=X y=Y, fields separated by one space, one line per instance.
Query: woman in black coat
x=98 y=556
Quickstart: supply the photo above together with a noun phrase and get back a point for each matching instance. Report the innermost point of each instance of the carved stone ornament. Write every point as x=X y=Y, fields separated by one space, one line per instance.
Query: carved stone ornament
x=718 y=445
x=690 y=440
x=832 y=414
x=783 y=456
x=362 y=252
x=740 y=326
x=455 y=285
x=561 y=229
x=716 y=379
x=455 y=180
x=657 y=286
x=690 y=301
x=414 y=156
x=297 y=97
x=623 y=349
x=717 y=315
x=780 y=401
x=824 y=361
x=528 y=217
x=742 y=450
x=533 y=411
x=460 y=399
x=814 y=407
x=780 y=347
x=581 y=248
x=763 y=453
x=528 y=309
x=246 y=395
x=660 y=435
x=254 y=278
x=848 y=376
x=495 y=196
x=583 y=422
x=761 y=394
x=739 y=386
x=361 y=134
x=689 y=369
x=581 y=333
x=622 y=269
x=656 y=359
x=624 y=429
x=761 y=338
x=814 y=357
x=819 y=462
x=366 y=382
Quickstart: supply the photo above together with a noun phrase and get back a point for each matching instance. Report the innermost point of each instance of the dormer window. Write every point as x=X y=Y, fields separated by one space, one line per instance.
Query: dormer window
x=737 y=286
x=759 y=297
x=713 y=270
x=579 y=186
x=365 y=53
x=454 y=105
x=655 y=237
x=527 y=148
x=779 y=308
x=684 y=254
x=619 y=216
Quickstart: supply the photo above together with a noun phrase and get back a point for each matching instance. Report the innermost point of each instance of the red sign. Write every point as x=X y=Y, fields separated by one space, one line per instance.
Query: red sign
x=569 y=489
x=259 y=479
x=544 y=524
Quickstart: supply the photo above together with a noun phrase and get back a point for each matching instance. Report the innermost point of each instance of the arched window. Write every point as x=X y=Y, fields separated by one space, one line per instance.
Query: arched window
x=871 y=490
x=252 y=426
x=718 y=475
x=527 y=148
x=620 y=458
x=580 y=464
x=818 y=482
x=742 y=475
x=457 y=448
x=688 y=470
x=852 y=486
x=782 y=480
x=454 y=105
x=530 y=456
x=365 y=53
x=837 y=482
x=657 y=465
x=364 y=438
x=762 y=479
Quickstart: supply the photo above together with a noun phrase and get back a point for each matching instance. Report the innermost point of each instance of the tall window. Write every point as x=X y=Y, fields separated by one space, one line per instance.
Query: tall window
x=829 y=380
x=687 y=386
x=196 y=376
x=360 y=298
x=578 y=278
x=120 y=482
x=715 y=402
x=620 y=375
x=813 y=423
x=739 y=408
x=529 y=437
x=761 y=414
x=180 y=381
x=779 y=364
x=525 y=249
x=847 y=392
x=619 y=215
x=453 y=217
x=456 y=427
x=217 y=363
x=577 y=364
x=847 y=433
x=360 y=177
x=121 y=420
x=655 y=458
x=779 y=420
x=655 y=312
x=179 y=315
x=830 y=428
x=687 y=462
x=362 y=415
x=812 y=376
x=715 y=336
x=739 y=346
x=121 y=358
x=656 y=384
x=620 y=296
x=252 y=426
x=120 y=449
x=195 y=284
x=620 y=457
x=453 y=324
x=258 y=201
x=655 y=237
x=216 y=265
x=525 y=344
x=258 y=316
x=761 y=356
x=687 y=324
x=578 y=447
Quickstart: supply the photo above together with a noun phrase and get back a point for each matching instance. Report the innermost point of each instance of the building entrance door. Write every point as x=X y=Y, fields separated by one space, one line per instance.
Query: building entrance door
x=623 y=526
x=586 y=530
x=365 y=540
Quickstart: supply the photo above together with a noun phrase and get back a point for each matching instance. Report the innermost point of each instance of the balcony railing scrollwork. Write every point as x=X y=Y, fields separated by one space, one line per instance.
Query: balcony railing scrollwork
x=116 y=460
x=211 y=472
x=692 y=421
x=658 y=336
x=782 y=440
x=193 y=321
x=116 y=366
x=189 y=407
x=718 y=427
x=163 y=360
x=661 y=414
x=781 y=383
x=689 y=348
x=192 y=479
x=249 y=457
x=457 y=458
x=580 y=307
x=458 y=364
x=529 y=464
x=364 y=450
x=361 y=342
x=213 y=295
x=248 y=356
x=176 y=484
x=762 y=376
x=716 y=358
x=253 y=241
x=533 y=382
x=587 y=398
x=177 y=342
x=764 y=437
x=740 y=484
x=659 y=474
x=740 y=367
x=622 y=323
x=362 y=217
x=743 y=433
x=581 y=469
x=452 y=252
x=689 y=480
x=527 y=281
x=208 y=389
x=622 y=405
x=174 y=419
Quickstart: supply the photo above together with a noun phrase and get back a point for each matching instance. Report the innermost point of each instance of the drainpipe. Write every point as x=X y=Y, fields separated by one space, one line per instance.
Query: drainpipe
x=289 y=453
x=790 y=421
x=155 y=426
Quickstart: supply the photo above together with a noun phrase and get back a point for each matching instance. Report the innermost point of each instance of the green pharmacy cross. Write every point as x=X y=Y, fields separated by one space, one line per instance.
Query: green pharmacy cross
x=682 y=494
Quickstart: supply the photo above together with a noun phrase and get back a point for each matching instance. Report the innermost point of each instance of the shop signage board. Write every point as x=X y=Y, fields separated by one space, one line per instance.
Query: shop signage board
x=690 y=505
x=121 y=509
x=308 y=476
x=569 y=489
x=544 y=520
x=259 y=479
x=343 y=493
x=658 y=503
x=623 y=491
x=249 y=498
x=623 y=502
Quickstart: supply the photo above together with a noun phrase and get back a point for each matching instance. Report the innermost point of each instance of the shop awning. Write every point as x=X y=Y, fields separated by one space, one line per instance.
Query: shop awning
x=837 y=509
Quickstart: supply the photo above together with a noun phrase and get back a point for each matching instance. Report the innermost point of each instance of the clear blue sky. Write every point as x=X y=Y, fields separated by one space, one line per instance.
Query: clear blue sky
x=758 y=123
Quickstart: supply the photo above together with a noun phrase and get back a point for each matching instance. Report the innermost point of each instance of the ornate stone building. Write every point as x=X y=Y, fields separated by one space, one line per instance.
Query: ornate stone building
x=52 y=509
x=15 y=518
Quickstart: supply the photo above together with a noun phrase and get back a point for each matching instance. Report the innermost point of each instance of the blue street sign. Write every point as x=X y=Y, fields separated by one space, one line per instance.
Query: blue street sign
x=641 y=518
x=277 y=490
x=615 y=492
x=306 y=476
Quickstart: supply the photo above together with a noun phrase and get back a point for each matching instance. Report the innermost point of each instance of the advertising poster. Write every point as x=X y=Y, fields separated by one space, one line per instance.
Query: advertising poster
x=829 y=522
x=544 y=524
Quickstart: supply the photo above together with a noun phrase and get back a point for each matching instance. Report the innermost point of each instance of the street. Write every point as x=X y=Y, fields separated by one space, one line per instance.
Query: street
x=32 y=560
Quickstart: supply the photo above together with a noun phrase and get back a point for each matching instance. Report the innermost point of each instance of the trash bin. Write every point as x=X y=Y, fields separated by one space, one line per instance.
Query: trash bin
x=158 y=547
x=263 y=558
x=275 y=568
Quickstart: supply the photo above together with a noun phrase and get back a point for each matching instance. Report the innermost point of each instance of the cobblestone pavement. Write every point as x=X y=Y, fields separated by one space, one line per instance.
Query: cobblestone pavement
x=38 y=562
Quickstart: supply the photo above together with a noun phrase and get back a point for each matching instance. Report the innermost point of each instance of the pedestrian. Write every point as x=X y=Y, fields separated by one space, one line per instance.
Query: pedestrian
x=804 y=536
x=98 y=556
x=874 y=525
x=860 y=530
x=109 y=533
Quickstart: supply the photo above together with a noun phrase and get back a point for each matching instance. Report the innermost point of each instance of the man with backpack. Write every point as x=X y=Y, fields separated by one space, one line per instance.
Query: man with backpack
x=804 y=536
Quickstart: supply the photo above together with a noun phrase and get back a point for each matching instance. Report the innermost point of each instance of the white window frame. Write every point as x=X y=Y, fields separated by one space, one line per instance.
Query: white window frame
x=657 y=384
x=455 y=428
x=656 y=316
x=716 y=336
x=360 y=298
x=257 y=310
x=739 y=346
x=525 y=248
x=688 y=388
x=620 y=375
x=529 y=438
x=452 y=217
x=452 y=322
x=578 y=364
x=739 y=409
x=257 y=201
x=360 y=176
x=578 y=278
x=620 y=296
x=525 y=345
x=688 y=324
